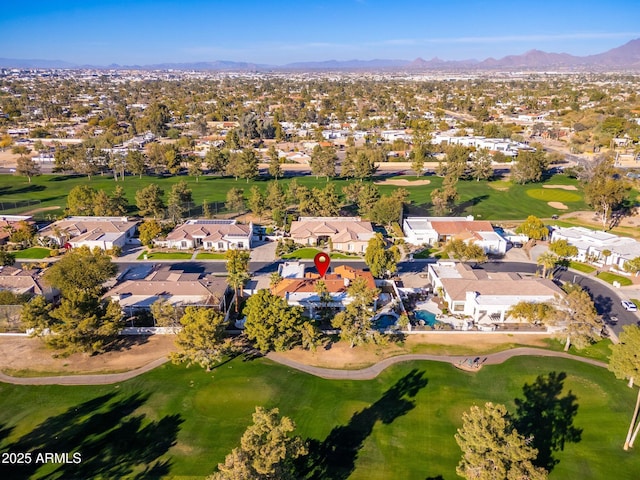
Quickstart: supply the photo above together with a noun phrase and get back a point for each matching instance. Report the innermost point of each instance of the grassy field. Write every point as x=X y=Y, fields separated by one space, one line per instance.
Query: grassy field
x=582 y=267
x=481 y=199
x=181 y=422
x=210 y=256
x=165 y=256
x=33 y=252
x=612 y=277
x=308 y=253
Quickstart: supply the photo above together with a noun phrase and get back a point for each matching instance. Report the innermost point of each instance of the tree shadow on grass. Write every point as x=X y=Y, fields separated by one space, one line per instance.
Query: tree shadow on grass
x=547 y=417
x=111 y=440
x=461 y=208
x=335 y=457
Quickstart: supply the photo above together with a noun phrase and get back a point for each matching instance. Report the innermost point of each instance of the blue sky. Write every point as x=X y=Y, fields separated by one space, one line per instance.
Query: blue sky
x=102 y=32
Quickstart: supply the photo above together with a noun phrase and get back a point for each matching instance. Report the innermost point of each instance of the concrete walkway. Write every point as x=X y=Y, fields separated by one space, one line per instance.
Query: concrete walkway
x=328 y=373
x=94 y=379
x=375 y=370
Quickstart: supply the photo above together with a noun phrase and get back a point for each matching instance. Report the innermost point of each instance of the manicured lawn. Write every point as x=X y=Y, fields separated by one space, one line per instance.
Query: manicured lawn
x=581 y=267
x=181 y=422
x=302 y=254
x=612 y=277
x=210 y=256
x=554 y=195
x=428 y=253
x=308 y=253
x=33 y=252
x=165 y=256
x=496 y=200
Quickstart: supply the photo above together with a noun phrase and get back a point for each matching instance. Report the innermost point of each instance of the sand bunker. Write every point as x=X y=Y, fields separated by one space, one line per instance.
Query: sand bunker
x=558 y=205
x=404 y=183
x=561 y=187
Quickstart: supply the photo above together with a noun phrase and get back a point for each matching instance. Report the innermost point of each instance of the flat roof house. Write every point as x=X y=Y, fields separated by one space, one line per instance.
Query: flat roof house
x=592 y=243
x=218 y=235
x=347 y=234
x=487 y=296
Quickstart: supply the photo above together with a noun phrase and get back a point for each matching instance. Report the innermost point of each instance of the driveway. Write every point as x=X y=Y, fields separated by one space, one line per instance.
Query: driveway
x=263 y=252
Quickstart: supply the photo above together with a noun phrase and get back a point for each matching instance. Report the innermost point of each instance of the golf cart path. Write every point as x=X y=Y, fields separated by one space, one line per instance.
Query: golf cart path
x=457 y=360
x=329 y=373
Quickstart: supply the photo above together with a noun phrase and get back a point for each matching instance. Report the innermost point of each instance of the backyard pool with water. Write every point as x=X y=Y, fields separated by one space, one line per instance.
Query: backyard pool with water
x=427 y=317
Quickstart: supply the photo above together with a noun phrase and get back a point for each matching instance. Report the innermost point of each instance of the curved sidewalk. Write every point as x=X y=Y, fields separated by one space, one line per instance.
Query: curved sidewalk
x=93 y=379
x=374 y=370
x=329 y=373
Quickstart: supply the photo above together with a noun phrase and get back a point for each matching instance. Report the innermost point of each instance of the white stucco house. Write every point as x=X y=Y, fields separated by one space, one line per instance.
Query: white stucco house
x=484 y=296
x=592 y=243
x=218 y=235
x=432 y=230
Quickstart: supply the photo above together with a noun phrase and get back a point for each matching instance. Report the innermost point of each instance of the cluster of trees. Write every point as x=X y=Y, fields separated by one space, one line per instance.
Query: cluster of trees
x=575 y=311
x=80 y=321
x=465 y=251
x=86 y=200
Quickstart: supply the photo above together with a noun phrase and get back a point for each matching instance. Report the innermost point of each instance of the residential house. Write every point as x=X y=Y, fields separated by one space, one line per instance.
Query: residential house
x=22 y=282
x=301 y=290
x=101 y=232
x=484 y=296
x=177 y=287
x=10 y=223
x=432 y=230
x=348 y=234
x=218 y=235
x=592 y=245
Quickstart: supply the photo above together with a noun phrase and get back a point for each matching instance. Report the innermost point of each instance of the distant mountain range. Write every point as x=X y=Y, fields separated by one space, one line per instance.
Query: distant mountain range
x=626 y=57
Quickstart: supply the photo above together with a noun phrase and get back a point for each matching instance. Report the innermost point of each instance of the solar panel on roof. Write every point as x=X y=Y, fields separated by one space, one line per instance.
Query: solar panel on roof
x=213 y=222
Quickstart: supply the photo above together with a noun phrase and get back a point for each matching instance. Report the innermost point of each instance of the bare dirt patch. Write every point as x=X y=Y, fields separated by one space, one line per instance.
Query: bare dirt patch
x=561 y=187
x=24 y=354
x=340 y=355
x=403 y=183
x=558 y=205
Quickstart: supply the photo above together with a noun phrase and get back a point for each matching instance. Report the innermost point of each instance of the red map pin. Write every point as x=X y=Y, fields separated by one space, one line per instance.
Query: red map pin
x=322 y=261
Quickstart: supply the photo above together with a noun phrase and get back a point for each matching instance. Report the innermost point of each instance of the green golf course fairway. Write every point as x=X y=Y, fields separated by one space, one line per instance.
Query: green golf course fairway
x=178 y=422
x=47 y=194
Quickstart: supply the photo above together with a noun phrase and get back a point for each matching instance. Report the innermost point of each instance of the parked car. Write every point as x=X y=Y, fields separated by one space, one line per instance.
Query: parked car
x=629 y=306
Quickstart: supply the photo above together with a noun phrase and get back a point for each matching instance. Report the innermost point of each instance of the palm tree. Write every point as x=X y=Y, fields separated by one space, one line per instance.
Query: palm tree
x=548 y=260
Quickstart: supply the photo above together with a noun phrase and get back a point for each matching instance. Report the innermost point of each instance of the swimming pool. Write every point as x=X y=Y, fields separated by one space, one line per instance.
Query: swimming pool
x=429 y=318
x=385 y=321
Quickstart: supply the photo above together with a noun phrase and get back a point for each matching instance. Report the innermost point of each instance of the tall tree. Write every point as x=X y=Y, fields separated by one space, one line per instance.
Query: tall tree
x=148 y=231
x=481 y=165
x=217 y=160
x=35 y=316
x=81 y=271
x=81 y=200
x=276 y=198
x=548 y=260
x=202 y=338
x=323 y=162
x=380 y=259
x=604 y=190
x=444 y=198
x=533 y=228
x=165 y=314
x=562 y=249
x=180 y=200
x=237 y=271
x=235 y=200
x=624 y=362
x=354 y=321
x=529 y=166
x=256 y=201
x=267 y=450
x=492 y=449
x=149 y=201
x=577 y=313
x=26 y=167
x=275 y=170
x=271 y=323
x=135 y=162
